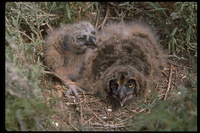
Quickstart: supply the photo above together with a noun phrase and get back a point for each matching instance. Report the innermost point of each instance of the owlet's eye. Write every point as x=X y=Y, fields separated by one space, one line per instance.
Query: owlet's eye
x=93 y=32
x=113 y=84
x=82 y=37
x=131 y=83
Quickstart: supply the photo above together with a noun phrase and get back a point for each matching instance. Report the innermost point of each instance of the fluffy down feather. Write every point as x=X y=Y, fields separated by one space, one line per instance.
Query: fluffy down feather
x=126 y=51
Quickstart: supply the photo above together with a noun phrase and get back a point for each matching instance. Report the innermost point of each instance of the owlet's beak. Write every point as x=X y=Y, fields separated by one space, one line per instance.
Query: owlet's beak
x=92 y=40
x=88 y=40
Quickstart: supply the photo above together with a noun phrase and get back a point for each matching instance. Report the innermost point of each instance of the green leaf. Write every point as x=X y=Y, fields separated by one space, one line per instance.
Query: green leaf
x=188 y=35
x=68 y=11
x=53 y=5
x=174 y=31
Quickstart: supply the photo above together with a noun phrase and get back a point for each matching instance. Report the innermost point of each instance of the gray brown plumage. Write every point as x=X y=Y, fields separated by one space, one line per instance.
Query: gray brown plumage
x=128 y=62
x=68 y=50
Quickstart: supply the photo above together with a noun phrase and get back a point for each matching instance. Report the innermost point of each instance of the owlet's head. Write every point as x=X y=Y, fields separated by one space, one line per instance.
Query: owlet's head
x=122 y=88
x=84 y=36
x=121 y=83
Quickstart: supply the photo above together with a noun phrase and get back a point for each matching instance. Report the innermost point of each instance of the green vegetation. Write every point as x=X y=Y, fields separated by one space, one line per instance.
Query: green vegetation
x=176 y=114
x=25 y=103
x=27 y=24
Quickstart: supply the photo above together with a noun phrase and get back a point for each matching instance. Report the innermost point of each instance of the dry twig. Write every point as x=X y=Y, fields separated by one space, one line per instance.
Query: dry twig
x=81 y=114
x=19 y=119
x=69 y=121
x=169 y=82
x=88 y=120
x=104 y=21
x=39 y=126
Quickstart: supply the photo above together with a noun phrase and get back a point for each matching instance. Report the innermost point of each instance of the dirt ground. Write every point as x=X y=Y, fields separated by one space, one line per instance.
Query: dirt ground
x=93 y=113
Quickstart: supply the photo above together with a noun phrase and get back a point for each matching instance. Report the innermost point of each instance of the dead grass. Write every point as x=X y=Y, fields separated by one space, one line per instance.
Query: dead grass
x=92 y=113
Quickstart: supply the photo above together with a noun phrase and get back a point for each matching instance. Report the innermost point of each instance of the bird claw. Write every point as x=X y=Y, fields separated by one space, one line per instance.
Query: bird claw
x=73 y=90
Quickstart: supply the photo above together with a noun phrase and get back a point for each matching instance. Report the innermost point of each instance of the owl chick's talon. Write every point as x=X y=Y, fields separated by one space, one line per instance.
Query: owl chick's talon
x=73 y=89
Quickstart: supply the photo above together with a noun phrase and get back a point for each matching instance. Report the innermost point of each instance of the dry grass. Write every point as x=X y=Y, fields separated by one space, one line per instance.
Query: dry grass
x=178 y=82
x=92 y=113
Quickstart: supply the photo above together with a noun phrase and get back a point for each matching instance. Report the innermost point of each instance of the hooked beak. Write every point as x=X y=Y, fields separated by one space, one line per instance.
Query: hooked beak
x=88 y=40
x=91 y=42
x=124 y=95
x=121 y=93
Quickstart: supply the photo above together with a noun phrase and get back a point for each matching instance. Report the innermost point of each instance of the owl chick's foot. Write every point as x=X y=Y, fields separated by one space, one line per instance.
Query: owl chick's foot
x=73 y=90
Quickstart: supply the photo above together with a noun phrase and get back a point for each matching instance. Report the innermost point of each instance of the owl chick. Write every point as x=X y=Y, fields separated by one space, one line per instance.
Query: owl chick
x=68 y=50
x=128 y=62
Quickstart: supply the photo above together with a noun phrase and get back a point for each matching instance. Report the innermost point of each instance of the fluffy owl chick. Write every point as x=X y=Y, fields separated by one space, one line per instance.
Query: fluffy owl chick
x=128 y=62
x=68 y=50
